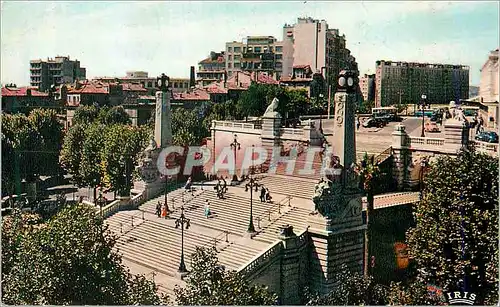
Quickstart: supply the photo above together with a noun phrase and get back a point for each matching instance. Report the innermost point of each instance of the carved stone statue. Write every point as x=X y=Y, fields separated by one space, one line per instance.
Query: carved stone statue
x=327 y=197
x=271 y=109
x=147 y=168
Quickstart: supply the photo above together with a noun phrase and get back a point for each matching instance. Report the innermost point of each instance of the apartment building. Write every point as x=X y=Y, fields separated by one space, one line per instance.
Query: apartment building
x=367 y=87
x=488 y=85
x=406 y=83
x=255 y=54
x=58 y=70
x=211 y=69
x=141 y=77
x=311 y=42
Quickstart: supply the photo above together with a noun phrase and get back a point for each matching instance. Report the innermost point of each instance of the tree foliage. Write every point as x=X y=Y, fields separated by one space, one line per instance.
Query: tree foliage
x=67 y=261
x=30 y=147
x=85 y=115
x=352 y=289
x=186 y=127
x=455 y=241
x=114 y=115
x=210 y=284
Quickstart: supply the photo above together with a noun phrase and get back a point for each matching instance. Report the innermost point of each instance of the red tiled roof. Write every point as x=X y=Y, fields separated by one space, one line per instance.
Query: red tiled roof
x=210 y=61
x=196 y=94
x=216 y=88
x=133 y=87
x=88 y=87
x=21 y=91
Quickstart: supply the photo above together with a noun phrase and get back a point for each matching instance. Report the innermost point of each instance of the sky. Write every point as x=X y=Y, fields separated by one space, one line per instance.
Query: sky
x=110 y=38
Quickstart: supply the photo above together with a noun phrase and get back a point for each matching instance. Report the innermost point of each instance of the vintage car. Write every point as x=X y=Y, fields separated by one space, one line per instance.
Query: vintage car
x=431 y=127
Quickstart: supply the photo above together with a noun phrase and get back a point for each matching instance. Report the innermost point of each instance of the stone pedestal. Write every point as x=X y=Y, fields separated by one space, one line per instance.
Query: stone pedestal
x=290 y=267
x=271 y=131
x=163 y=121
x=456 y=133
x=402 y=156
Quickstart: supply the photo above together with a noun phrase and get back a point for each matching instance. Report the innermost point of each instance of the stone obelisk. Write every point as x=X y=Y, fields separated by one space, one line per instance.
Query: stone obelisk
x=151 y=182
x=336 y=228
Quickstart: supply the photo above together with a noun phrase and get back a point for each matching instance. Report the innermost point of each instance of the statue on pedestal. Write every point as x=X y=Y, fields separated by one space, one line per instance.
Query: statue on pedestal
x=147 y=169
x=271 y=110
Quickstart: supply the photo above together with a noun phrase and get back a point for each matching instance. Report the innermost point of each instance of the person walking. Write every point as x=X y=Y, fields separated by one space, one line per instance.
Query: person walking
x=158 y=209
x=164 y=212
x=207 y=209
x=262 y=194
x=268 y=196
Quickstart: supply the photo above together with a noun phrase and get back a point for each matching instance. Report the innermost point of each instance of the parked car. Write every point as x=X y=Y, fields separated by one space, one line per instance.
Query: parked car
x=373 y=122
x=431 y=127
x=437 y=118
x=487 y=136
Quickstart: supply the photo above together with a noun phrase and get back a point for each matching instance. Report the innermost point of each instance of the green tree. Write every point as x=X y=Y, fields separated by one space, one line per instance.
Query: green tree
x=114 y=115
x=186 y=127
x=455 y=240
x=85 y=115
x=71 y=152
x=254 y=101
x=352 y=289
x=67 y=261
x=90 y=171
x=370 y=174
x=210 y=284
x=120 y=152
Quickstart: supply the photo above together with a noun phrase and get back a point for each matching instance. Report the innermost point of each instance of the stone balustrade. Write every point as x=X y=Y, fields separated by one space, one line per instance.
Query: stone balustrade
x=426 y=141
x=489 y=148
x=269 y=253
x=293 y=131
x=234 y=125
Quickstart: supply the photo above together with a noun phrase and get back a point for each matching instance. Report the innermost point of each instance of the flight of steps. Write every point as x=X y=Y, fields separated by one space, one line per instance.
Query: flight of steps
x=296 y=217
x=295 y=187
x=301 y=164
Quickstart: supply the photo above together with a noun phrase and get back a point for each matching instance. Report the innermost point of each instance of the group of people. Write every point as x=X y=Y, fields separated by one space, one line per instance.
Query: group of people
x=162 y=210
x=265 y=195
x=221 y=187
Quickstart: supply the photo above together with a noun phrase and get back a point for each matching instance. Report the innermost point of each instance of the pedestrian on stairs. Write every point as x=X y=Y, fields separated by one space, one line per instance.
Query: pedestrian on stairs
x=207 y=209
x=262 y=194
x=164 y=212
x=268 y=196
x=158 y=209
x=224 y=186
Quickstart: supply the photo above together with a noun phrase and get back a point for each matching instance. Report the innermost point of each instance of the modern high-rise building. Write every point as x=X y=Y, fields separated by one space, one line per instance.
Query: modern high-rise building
x=311 y=42
x=56 y=71
x=212 y=68
x=488 y=86
x=406 y=83
x=367 y=87
x=255 y=54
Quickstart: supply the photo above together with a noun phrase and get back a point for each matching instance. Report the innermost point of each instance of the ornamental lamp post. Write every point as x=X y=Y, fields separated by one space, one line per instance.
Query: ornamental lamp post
x=181 y=221
x=251 y=185
x=423 y=103
x=235 y=145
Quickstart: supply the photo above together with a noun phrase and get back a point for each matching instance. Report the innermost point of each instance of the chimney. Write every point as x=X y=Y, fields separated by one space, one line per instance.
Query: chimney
x=191 y=77
x=225 y=78
x=28 y=92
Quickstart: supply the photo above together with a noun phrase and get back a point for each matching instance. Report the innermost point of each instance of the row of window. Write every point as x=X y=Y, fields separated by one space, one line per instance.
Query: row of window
x=255 y=49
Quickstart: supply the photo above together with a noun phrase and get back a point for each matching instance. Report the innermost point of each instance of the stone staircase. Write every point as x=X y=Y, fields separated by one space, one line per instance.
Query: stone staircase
x=295 y=187
x=295 y=216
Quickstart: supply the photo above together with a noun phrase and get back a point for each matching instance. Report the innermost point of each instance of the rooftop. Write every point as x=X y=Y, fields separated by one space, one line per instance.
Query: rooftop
x=22 y=91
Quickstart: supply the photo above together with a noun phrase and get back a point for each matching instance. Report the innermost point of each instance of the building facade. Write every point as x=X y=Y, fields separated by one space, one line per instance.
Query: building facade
x=367 y=87
x=211 y=69
x=488 y=86
x=141 y=77
x=56 y=71
x=311 y=42
x=405 y=83
x=255 y=54
x=24 y=99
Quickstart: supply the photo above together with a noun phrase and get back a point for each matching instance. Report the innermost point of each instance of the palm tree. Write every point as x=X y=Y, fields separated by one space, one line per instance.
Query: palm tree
x=370 y=173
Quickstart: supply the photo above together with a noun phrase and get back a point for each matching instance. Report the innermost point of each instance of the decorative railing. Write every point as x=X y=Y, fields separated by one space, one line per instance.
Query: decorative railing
x=489 y=148
x=266 y=215
x=110 y=208
x=271 y=252
x=237 y=125
x=223 y=236
x=293 y=131
x=412 y=141
x=303 y=237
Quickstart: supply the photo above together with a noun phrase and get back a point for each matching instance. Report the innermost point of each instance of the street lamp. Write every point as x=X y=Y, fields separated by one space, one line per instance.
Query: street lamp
x=423 y=103
x=423 y=165
x=181 y=221
x=235 y=145
x=166 y=193
x=251 y=185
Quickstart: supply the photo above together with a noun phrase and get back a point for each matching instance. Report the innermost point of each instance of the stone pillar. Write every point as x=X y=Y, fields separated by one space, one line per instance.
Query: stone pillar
x=271 y=132
x=402 y=156
x=456 y=133
x=336 y=228
x=290 y=265
x=163 y=120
